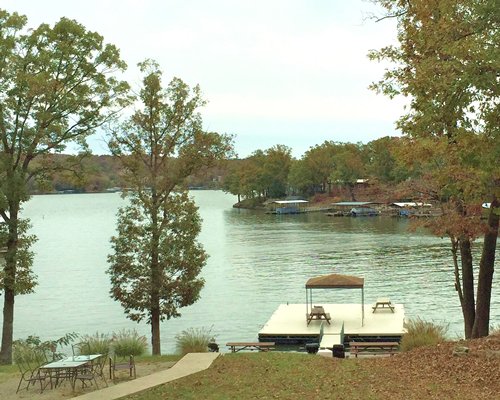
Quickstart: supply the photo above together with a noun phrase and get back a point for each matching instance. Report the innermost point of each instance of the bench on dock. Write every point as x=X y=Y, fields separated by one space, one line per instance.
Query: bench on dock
x=382 y=303
x=385 y=347
x=260 y=346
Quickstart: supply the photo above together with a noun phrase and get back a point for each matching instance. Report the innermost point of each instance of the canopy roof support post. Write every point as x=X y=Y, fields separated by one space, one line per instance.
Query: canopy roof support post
x=307 y=303
x=362 y=306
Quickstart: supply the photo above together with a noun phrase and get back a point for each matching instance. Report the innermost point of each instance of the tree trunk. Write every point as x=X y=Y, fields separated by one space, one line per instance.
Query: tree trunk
x=155 y=332
x=8 y=327
x=351 y=191
x=155 y=278
x=9 y=288
x=486 y=269
x=468 y=304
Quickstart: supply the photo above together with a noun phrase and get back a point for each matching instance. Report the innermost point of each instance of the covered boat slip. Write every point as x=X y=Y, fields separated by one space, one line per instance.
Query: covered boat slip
x=289 y=206
x=288 y=325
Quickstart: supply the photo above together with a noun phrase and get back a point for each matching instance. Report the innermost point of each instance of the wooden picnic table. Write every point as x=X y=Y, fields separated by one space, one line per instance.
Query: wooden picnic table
x=382 y=303
x=318 y=313
x=260 y=346
x=357 y=347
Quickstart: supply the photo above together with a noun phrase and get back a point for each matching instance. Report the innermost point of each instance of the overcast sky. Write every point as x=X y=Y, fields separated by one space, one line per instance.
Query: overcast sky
x=292 y=72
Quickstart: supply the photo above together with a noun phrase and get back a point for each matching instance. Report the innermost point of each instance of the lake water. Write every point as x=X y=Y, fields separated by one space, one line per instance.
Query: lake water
x=257 y=262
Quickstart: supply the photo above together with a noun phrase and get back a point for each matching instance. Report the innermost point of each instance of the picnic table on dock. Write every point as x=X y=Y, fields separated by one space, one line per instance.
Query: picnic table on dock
x=358 y=347
x=260 y=346
x=318 y=313
x=382 y=303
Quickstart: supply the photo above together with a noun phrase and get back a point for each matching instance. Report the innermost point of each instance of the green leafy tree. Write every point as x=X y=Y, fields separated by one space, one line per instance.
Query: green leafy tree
x=319 y=161
x=156 y=260
x=300 y=179
x=233 y=182
x=56 y=88
x=448 y=63
x=277 y=160
x=383 y=163
x=349 y=166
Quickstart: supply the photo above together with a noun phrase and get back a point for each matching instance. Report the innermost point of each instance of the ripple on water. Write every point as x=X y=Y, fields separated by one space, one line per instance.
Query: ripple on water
x=257 y=261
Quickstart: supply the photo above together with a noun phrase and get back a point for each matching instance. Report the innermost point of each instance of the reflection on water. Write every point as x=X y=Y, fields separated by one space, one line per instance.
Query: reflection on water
x=257 y=261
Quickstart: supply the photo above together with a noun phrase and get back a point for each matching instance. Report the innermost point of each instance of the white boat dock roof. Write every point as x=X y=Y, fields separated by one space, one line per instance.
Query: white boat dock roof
x=290 y=201
x=290 y=320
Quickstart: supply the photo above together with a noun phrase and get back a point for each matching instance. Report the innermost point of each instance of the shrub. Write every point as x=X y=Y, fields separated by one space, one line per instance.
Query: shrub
x=128 y=343
x=33 y=350
x=194 y=340
x=98 y=343
x=495 y=330
x=422 y=333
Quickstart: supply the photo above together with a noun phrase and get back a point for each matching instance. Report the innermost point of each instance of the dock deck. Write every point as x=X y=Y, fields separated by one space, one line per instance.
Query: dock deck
x=288 y=324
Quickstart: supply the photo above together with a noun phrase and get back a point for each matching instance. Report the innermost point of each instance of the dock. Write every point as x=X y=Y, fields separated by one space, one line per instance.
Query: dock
x=288 y=325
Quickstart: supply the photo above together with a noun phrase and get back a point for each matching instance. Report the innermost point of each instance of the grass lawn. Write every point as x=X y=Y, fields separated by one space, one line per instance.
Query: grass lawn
x=431 y=372
x=271 y=375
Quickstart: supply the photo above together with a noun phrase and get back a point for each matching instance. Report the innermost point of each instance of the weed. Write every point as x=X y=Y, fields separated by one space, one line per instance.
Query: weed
x=128 y=343
x=422 y=333
x=194 y=340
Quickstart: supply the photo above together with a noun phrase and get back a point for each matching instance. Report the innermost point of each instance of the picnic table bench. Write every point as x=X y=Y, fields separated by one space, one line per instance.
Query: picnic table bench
x=318 y=313
x=357 y=347
x=260 y=346
x=382 y=303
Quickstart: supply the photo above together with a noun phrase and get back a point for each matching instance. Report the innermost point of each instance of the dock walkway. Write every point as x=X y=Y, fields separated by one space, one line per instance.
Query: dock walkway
x=187 y=365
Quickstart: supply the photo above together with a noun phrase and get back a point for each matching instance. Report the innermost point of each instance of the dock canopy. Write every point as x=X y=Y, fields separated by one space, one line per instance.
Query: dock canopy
x=335 y=281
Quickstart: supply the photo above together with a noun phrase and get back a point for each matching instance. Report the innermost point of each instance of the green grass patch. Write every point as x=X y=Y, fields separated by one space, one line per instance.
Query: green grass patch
x=7 y=372
x=269 y=375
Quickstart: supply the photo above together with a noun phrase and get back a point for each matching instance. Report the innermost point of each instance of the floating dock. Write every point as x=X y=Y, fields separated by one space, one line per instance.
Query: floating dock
x=288 y=325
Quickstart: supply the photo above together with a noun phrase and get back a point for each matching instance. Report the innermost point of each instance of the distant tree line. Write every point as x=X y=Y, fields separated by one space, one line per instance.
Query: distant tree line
x=99 y=173
x=274 y=173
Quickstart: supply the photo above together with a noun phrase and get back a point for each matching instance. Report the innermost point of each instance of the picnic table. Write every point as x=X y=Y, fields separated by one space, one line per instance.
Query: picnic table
x=358 y=347
x=318 y=313
x=382 y=303
x=260 y=346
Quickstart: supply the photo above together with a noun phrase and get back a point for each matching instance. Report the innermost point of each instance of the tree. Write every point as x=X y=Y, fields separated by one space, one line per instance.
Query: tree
x=348 y=166
x=156 y=261
x=383 y=163
x=233 y=182
x=448 y=64
x=277 y=160
x=319 y=161
x=300 y=179
x=56 y=88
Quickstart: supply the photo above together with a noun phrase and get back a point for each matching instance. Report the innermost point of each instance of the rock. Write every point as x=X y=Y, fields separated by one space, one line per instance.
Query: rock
x=459 y=351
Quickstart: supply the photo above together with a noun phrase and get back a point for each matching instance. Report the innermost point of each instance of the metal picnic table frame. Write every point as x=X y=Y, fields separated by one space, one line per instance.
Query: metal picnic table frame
x=67 y=368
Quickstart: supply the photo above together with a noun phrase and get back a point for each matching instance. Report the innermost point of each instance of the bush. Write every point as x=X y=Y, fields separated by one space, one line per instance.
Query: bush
x=97 y=344
x=495 y=330
x=128 y=343
x=33 y=350
x=194 y=340
x=422 y=333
